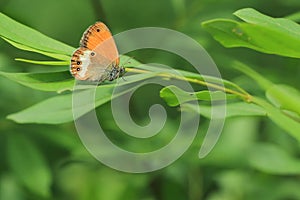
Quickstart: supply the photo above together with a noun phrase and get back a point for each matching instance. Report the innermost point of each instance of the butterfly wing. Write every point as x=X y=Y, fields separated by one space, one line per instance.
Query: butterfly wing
x=86 y=65
x=97 y=55
x=99 y=39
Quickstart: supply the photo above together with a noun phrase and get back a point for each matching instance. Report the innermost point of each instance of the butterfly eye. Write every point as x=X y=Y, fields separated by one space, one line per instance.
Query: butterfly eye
x=78 y=63
x=93 y=54
x=78 y=69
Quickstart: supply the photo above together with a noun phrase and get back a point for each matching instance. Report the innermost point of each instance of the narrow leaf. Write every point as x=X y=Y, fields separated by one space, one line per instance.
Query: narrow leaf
x=19 y=33
x=54 y=63
x=284 y=97
x=54 y=81
x=175 y=96
x=27 y=48
x=286 y=26
x=259 y=32
x=277 y=116
x=55 y=110
x=232 y=109
x=58 y=109
x=295 y=17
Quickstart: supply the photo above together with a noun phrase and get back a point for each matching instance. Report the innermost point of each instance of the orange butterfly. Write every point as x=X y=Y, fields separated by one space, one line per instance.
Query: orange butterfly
x=97 y=58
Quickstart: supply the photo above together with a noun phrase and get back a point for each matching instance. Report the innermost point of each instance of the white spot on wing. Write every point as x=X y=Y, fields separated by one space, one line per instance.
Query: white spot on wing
x=85 y=62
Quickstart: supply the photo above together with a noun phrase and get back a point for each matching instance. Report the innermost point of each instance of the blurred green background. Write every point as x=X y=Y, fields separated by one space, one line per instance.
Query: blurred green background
x=58 y=166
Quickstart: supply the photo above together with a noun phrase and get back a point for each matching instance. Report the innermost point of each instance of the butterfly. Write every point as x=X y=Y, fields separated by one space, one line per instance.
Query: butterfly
x=97 y=58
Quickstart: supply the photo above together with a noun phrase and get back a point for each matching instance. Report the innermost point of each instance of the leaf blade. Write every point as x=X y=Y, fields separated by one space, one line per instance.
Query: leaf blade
x=37 y=62
x=22 y=34
x=284 y=97
x=58 y=109
x=50 y=82
x=259 y=32
x=175 y=96
x=237 y=109
x=277 y=116
x=27 y=48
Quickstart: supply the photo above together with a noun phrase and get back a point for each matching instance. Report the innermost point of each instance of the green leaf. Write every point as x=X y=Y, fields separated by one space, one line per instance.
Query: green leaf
x=55 y=110
x=294 y=17
x=175 y=96
x=232 y=109
x=261 y=33
x=29 y=165
x=58 y=109
x=19 y=33
x=54 y=81
x=252 y=16
x=26 y=48
x=54 y=63
x=272 y=159
x=277 y=116
x=284 y=97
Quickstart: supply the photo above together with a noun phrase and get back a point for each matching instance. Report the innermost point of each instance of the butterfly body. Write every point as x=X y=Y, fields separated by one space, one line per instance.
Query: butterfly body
x=97 y=58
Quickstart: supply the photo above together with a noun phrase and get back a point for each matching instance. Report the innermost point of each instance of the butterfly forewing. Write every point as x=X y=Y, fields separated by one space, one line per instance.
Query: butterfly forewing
x=99 y=39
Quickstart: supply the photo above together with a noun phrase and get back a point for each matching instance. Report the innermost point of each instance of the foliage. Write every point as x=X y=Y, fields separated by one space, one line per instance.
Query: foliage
x=263 y=117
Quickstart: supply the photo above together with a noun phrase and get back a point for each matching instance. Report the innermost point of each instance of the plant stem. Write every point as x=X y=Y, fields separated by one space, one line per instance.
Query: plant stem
x=247 y=97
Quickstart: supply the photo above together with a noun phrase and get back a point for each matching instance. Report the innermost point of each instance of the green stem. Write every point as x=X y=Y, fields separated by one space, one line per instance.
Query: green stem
x=286 y=123
x=247 y=97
